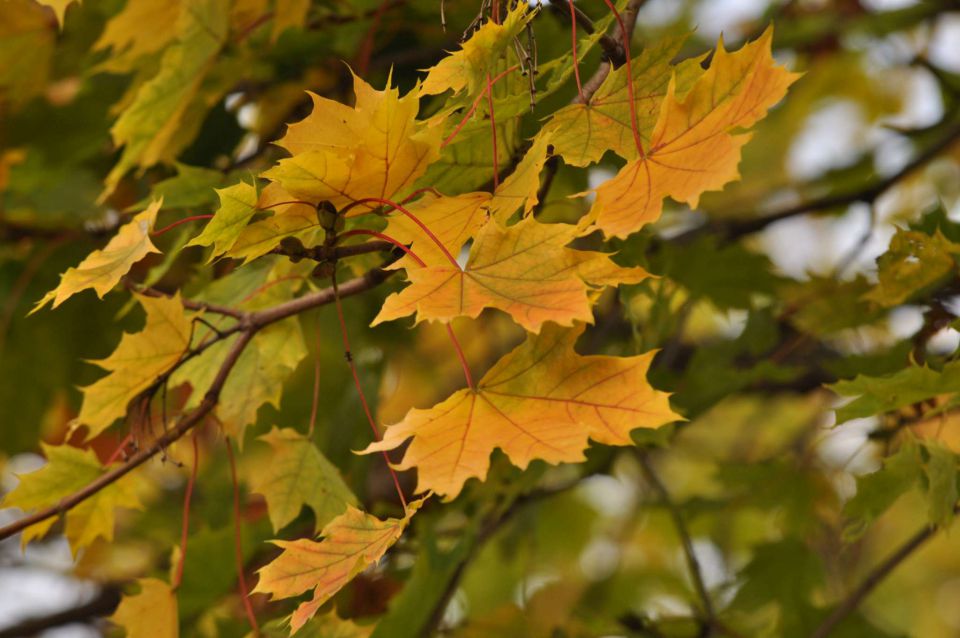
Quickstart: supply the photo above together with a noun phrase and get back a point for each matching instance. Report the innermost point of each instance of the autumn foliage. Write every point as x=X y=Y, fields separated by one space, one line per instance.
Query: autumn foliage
x=482 y=242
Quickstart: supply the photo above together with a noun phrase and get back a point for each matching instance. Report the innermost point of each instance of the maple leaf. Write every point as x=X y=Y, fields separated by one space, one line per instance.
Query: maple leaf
x=343 y=154
x=525 y=270
x=582 y=133
x=136 y=363
x=691 y=148
x=326 y=626
x=295 y=475
x=103 y=269
x=521 y=187
x=452 y=220
x=153 y=128
x=238 y=203
x=69 y=469
x=128 y=41
x=479 y=56
x=540 y=401
x=287 y=220
x=151 y=613
x=256 y=379
x=351 y=542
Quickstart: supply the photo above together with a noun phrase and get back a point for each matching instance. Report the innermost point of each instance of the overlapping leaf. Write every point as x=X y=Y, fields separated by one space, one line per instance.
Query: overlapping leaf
x=525 y=270
x=914 y=264
x=351 y=542
x=582 y=133
x=297 y=474
x=343 y=154
x=151 y=128
x=69 y=469
x=691 y=148
x=468 y=68
x=257 y=378
x=452 y=220
x=103 y=269
x=151 y=613
x=541 y=401
x=238 y=203
x=136 y=363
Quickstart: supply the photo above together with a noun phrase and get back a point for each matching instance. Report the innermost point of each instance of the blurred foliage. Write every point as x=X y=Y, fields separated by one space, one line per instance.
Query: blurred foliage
x=804 y=320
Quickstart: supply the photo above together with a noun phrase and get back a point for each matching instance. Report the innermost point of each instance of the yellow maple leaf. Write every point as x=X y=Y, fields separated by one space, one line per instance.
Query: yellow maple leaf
x=452 y=220
x=136 y=363
x=540 y=401
x=103 y=269
x=297 y=474
x=257 y=378
x=238 y=203
x=521 y=187
x=343 y=154
x=69 y=469
x=478 y=56
x=128 y=41
x=525 y=270
x=351 y=542
x=151 y=613
x=582 y=133
x=692 y=149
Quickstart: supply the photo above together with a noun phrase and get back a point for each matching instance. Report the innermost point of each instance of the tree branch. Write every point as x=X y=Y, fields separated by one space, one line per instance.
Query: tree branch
x=248 y=326
x=629 y=17
x=693 y=565
x=104 y=603
x=738 y=228
x=874 y=578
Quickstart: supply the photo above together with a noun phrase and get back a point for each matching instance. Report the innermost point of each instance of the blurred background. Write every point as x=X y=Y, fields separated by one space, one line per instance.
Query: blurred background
x=752 y=319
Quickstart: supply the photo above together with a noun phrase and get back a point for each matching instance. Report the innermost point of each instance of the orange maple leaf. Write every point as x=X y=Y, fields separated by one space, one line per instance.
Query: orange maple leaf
x=525 y=270
x=691 y=149
x=351 y=542
x=342 y=154
x=540 y=401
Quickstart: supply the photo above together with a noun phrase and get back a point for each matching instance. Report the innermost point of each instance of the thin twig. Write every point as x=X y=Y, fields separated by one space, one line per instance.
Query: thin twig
x=693 y=565
x=247 y=327
x=869 y=194
x=874 y=578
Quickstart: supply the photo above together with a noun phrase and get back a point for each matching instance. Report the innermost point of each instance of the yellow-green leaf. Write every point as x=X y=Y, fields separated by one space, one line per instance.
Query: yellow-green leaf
x=342 y=154
x=69 y=469
x=238 y=203
x=151 y=613
x=103 y=269
x=136 y=363
x=297 y=474
x=351 y=542
x=148 y=129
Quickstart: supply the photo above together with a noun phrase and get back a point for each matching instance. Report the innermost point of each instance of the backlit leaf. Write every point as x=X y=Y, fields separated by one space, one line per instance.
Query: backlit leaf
x=541 y=401
x=149 y=129
x=295 y=475
x=478 y=56
x=342 y=154
x=151 y=613
x=582 y=133
x=135 y=365
x=103 y=269
x=525 y=270
x=69 y=469
x=238 y=203
x=351 y=542
x=691 y=149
